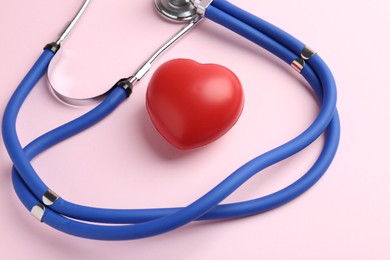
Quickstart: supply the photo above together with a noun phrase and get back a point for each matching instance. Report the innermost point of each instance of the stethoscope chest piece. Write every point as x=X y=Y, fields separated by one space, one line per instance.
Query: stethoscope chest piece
x=176 y=10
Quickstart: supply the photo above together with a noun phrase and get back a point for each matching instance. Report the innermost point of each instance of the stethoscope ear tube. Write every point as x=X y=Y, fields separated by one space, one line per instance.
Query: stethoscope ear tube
x=69 y=217
x=10 y=137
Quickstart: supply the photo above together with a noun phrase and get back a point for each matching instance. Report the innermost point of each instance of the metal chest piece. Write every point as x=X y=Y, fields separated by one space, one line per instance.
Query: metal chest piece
x=176 y=10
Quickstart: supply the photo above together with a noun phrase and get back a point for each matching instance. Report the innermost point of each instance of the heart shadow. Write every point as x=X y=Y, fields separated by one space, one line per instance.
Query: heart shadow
x=158 y=145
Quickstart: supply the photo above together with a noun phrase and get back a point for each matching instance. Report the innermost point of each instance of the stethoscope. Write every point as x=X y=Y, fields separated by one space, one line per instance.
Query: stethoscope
x=122 y=224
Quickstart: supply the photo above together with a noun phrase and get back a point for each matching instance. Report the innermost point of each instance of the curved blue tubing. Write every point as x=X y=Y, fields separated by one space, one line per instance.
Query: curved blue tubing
x=260 y=25
x=10 y=137
x=157 y=221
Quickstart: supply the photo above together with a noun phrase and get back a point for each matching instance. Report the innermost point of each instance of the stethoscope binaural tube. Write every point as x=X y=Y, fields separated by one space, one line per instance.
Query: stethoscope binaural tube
x=156 y=221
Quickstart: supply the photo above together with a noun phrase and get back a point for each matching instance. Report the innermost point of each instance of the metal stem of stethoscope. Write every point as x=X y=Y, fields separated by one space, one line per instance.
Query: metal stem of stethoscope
x=180 y=11
x=73 y=22
x=140 y=73
x=174 y=10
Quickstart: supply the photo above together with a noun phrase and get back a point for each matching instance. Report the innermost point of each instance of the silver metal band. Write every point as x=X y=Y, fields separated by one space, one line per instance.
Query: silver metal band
x=307 y=53
x=38 y=211
x=49 y=198
x=201 y=6
x=299 y=63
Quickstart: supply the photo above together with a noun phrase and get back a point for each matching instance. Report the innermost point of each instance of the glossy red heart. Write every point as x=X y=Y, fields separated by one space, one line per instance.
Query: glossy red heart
x=193 y=104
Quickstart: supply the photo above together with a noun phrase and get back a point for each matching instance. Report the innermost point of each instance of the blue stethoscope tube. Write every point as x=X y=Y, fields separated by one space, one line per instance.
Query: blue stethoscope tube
x=64 y=215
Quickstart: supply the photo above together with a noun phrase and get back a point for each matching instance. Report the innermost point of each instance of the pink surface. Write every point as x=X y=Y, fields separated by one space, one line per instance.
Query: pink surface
x=123 y=162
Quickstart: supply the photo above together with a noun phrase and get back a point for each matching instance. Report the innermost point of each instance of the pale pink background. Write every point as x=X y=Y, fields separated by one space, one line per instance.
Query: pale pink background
x=123 y=162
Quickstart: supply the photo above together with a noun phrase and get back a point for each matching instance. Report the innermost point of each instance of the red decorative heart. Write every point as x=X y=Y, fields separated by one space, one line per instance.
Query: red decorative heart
x=193 y=104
